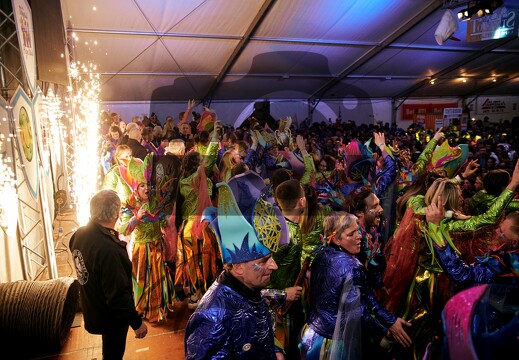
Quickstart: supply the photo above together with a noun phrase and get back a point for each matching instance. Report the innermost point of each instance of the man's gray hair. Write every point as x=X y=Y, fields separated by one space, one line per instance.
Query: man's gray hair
x=105 y=206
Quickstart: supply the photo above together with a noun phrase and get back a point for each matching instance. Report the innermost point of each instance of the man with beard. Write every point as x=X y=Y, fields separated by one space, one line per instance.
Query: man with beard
x=368 y=210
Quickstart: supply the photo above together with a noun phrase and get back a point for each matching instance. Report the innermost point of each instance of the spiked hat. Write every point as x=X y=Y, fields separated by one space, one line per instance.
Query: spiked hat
x=247 y=223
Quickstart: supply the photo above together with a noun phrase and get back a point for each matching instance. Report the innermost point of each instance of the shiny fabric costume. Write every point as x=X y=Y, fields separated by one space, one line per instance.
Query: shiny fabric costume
x=481 y=201
x=429 y=288
x=288 y=259
x=113 y=181
x=500 y=266
x=153 y=289
x=494 y=321
x=330 y=270
x=231 y=322
x=312 y=240
x=196 y=257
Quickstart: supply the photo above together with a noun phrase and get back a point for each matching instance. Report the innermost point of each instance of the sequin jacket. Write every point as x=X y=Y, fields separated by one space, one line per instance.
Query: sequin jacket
x=328 y=272
x=228 y=325
x=497 y=268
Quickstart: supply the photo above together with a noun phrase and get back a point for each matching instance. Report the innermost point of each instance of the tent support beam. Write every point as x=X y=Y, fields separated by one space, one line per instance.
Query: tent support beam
x=455 y=66
x=262 y=14
x=433 y=6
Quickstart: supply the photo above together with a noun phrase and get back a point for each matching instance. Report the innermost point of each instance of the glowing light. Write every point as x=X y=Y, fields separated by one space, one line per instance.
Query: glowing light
x=51 y=115
x=8 y=194
x=464 y=80
x=501 y=32
x=84 y=98
x=94 y=8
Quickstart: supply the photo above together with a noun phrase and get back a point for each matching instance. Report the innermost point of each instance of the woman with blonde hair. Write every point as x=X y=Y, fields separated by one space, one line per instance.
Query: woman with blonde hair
x=112 y=179
x=229 y=159
x=345 y=319
x=169 y=128
x=416 y=283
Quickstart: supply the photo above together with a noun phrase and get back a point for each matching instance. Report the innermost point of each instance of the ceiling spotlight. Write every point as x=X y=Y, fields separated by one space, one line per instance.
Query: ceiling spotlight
x=464 y=80
x=432 y=81
x=487 y=7
x=494 y=79
x=479 y=9
x=465 y=15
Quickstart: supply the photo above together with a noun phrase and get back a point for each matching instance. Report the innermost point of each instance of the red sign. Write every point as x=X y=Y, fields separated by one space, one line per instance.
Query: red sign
x=410 y=110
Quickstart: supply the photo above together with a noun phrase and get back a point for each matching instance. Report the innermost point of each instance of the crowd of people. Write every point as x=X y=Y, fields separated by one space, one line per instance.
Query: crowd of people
x=317 y=241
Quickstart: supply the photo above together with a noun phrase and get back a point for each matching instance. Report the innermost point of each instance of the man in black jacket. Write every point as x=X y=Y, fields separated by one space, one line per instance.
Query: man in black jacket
x=134 y=142
x=105 y=274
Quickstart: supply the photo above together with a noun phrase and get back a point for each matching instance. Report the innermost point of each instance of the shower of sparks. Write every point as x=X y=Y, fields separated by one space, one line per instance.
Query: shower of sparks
x=84 y=136
x=50 y=115
x=8 y=215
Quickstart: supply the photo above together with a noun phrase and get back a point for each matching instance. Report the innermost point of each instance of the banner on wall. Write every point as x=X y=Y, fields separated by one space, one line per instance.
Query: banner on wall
x=409 y=111
x=503 y=22
x=25 y=31
x=492 y=106
x=22 y=113
x=44 y=146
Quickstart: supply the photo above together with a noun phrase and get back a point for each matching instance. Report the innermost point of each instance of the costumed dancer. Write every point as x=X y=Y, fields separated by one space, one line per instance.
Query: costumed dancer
x=232 y=320
x=481 y=322
x=345 y=320
x=424 y=294
x=143 y=217
x=197 y=250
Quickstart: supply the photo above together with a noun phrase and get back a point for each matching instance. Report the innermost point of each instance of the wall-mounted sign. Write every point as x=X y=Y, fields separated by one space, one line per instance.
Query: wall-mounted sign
x=409 y=111
x=492 y=106
x=25 y=30
x=500 y=24
x=452 y=113
x=26 y=138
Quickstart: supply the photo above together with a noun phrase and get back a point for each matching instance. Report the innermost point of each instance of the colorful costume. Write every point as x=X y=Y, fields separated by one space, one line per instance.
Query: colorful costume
x=428 y=289
x=197 y=250
x=339 y=281
x=153 y=289
x=232 y=321
x=114 y=181
x=482 y=323
x=481 y=201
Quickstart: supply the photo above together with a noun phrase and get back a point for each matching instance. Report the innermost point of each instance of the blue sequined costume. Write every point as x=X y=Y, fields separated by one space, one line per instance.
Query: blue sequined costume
x=499 y=267
x=231 y=322
x=330 y=269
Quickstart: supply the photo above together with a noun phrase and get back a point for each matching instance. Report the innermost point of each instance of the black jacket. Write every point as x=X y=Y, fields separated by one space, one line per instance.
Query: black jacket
x=105 y=274
x=138 y=151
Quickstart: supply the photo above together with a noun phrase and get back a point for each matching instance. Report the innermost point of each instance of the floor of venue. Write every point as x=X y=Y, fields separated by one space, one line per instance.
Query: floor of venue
x=165 y=340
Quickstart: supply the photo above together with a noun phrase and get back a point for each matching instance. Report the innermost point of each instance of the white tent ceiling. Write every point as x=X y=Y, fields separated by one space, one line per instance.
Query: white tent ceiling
x=214 y=50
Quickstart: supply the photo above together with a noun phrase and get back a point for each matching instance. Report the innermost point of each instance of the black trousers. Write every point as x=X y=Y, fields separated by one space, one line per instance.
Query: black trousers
x=114 y=342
